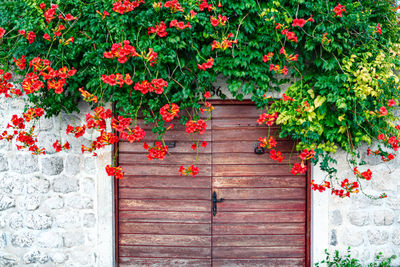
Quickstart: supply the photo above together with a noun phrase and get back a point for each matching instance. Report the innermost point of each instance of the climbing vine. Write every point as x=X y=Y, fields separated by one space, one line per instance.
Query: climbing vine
x=160 y=60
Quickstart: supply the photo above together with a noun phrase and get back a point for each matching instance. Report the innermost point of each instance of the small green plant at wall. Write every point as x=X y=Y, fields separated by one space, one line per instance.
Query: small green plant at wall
x=340 y=260
x=160 y=59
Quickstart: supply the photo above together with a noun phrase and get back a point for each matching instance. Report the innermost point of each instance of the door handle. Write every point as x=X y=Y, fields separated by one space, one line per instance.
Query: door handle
x=215 y=200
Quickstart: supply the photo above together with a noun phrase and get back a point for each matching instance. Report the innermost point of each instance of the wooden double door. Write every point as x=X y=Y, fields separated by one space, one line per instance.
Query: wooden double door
x=164 y=219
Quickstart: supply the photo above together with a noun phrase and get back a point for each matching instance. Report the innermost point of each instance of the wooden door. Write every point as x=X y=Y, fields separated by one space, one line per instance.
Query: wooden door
x=262 y=220
x=166 y=220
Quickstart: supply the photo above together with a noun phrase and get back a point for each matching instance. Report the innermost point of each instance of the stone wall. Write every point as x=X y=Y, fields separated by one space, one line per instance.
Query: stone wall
x=367 y=226
x=55 y=209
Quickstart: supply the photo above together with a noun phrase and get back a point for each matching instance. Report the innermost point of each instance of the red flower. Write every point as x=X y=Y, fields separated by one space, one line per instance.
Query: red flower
x=207 y=95
x=298 y=22
x=383 y=111
x=291 y=36
x=379 y=29
x=204 y=144
x=268 y=119
x=122 y=51
x=338 y=10
x=159 y=29
x=204 y=5
x=156 y=152
x=169 y=112
x=220 y=21
x=268 y=57
x=191 y=170
x=21 y=63
x=224 y=44
x=125 y=6
x=391 y=103
x=306 y=155
x=286 y=98
x=193 y=146
x=196 y=126
x=367 y=175
x=2 y=32
x=276 y=155
x=179 y=25
x=46 y=37
x=270 y=143
x=115 y=171
x=133 y=135
x=298 y=168
x=174 y=5
x=207 y=65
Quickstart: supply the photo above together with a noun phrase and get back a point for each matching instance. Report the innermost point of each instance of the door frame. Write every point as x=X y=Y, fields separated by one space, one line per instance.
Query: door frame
x=215 y=102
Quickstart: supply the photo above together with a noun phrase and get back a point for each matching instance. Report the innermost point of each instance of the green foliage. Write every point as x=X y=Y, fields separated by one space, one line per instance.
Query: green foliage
x=338 y=260
x=345 y=70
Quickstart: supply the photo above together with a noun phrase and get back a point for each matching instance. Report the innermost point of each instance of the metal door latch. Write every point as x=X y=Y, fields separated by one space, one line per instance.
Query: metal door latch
x=259 y=150
x=214 y=202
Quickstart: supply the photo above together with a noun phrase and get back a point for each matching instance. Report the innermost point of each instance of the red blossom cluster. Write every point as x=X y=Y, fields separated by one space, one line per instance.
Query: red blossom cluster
x=104 y=14
x=158 y=151
x=268 y=57
x=117 y=78
x=378 y=29
x=220 y=21
x=58 y=147
x=191 y=170
x=56 y=79
x=150 y=57
x=302 y=167
x=289 y=57
x=286 y=98
x=21 y=63
x=169 y=112
x=276 y=155
x=88 y=97
x=159 y=29
x=338 y=10
x=291 y=36
x=157 y=86
x=299 y=168
x=115 y=171
x=122 y=51
x=301 y=22
x=367 y=175
x=267 y=119
x=2 y=32
x=122 y=125
x=179 y=24
x=194 y=146
x=125 y=6
x=224 y=44
x=207 y=107
x=27 y=138
x=307 y=154
x=278 y=69
x=174 y=6
x=320 y=187
x=33 y=113
x=5 y=86
x=205 y=5
x=30 y=36
x=267 y=142
x=198 y=126
x=206 y=65
x=348 y=188
x=49 y=13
